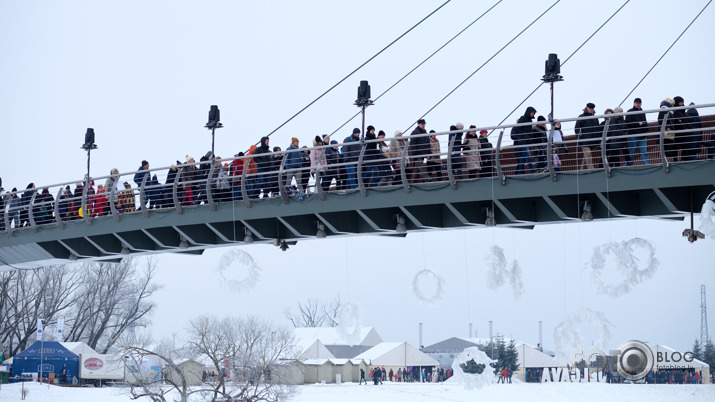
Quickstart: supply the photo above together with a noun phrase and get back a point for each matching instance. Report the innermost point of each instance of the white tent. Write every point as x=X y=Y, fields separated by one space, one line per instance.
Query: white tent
x=530 y=357
x=666 y=357
x=396 y=355
x=313 y=349
x=78 y=348
x=366 y=336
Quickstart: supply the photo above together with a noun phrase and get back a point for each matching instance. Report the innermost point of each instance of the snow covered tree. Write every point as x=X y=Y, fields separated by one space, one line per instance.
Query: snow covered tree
x=697 y=350
x=313 y=313
x=709 y=353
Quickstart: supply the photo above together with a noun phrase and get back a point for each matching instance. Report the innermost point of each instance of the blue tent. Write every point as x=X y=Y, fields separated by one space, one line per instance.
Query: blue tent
x=52 y=356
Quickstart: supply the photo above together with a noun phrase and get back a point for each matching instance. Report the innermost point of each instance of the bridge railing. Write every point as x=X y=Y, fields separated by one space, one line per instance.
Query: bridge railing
x=382 y=164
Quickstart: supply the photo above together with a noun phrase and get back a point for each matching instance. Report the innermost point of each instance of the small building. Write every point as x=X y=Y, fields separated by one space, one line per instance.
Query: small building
x=532 y=360
x=318 y=371
x=357 y=365
x=191 y=369
x=344 y=367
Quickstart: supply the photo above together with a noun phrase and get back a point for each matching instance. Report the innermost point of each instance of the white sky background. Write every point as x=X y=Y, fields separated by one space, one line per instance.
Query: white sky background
x=143 y=75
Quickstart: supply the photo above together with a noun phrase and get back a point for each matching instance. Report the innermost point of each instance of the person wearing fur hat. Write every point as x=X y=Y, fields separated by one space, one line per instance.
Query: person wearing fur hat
x=587 y=130
x=397 y=147
x=671 y=150
x=616 y=141
x=687 y=143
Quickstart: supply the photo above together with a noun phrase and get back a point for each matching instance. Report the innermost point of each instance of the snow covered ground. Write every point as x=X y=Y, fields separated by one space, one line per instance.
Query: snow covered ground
x=415 y=392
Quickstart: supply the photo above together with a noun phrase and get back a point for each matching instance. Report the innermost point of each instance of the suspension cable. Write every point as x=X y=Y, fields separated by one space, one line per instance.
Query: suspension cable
x=666 y=52
x=485 y=63
x=359 y=67
x=567 y=59
x=419 y=65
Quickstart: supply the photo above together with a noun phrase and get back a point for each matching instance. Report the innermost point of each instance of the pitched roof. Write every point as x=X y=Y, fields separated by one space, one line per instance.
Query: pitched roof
x=366 y=336
x=396 y=354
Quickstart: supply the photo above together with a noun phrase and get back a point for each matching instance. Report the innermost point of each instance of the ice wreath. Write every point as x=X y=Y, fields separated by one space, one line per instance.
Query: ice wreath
x=423 y=279
x=634 y=261
x=241 y=259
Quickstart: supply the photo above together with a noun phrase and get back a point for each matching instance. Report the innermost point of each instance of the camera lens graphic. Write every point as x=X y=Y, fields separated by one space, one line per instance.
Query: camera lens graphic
x=635 y=360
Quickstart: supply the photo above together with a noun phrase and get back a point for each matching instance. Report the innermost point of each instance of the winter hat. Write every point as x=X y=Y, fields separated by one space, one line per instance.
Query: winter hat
x=189 y=158
x=356 y=130
x=294 y=139
x=421 y=121
x=398 y=133
x=145 y=163
x=678 y=99
x=618 y=110
x=670 y=101
x=370 y=128
x=459 y=126
x=483 y=132
x=591 y=105
x=318 y=139
x=452 y=128
x=276 y=149
x=380 y=133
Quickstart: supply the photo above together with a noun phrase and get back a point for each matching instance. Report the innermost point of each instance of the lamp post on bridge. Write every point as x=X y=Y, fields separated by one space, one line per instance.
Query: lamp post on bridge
x=363 y=101
x=214 y=123
x=88 y=146
x=552 y=69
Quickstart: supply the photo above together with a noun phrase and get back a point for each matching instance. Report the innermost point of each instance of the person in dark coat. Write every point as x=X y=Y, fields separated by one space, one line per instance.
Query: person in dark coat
x=617 y=139
x=637 y=126
x=522 y=138
x=142 y=171
x=587 y=131
x=688 y=143
x=696 y=123
x=418 y=149
x=25 y=204
x=350 y=154
x=43 y=207
x=272 y=186
x=305 y=163
x=539 y=139
x=264 y=163
x=487 y=154
x=362 y=374
x=371 y=160
x=456 y=151
x=332 y=158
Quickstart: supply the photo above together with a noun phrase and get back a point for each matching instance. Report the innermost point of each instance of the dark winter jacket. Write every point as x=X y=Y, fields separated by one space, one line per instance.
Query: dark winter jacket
x=523 y=135
x=588 y=131
x=293 y=159
x=617 y=127
x=633 y=122
x=419 y=146
x=351 y=148
x=262 y=156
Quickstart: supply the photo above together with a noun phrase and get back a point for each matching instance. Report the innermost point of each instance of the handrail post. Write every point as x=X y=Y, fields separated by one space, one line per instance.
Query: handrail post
x=31 y=212
x=500 y=173
x=319 y=187
x=403 y=166
x=604 y=155
x=58 y=216
x=281 y=178
x=112 y=205
x=175 y=190
x=83 y=202
x=209 y=189
x=450 y=173
x=244 y=190
x=142 y=196
x=360 y=181
x=549 y=152
x=663 y=157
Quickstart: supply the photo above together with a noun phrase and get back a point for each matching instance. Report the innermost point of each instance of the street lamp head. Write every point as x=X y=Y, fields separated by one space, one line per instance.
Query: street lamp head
x=552 y=69
x=89 y=140
x=214 y=118
x=363 y=95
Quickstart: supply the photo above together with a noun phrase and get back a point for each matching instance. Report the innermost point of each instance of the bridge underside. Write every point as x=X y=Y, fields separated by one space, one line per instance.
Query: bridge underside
x=523 y=202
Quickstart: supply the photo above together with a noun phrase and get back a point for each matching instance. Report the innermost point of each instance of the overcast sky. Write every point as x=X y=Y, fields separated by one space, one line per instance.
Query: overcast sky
x=143 y=75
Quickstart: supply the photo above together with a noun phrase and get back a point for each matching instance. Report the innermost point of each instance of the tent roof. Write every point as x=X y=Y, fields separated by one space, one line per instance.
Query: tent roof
x=346 y=351
x=78 y=347
x=695 y=363
x=315 y=362
x=313 y=349
x=396 y=354
x=453 y=344
x=46 y=350
x=366 y=336
x=530 y=357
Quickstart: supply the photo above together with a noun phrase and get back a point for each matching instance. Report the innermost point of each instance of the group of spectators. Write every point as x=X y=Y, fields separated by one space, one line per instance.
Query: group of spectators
x=412 y=374
x=626 y=137
x=334 y=165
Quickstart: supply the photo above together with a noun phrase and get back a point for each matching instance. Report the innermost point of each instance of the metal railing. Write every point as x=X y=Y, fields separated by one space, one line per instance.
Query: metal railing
x=383 y=164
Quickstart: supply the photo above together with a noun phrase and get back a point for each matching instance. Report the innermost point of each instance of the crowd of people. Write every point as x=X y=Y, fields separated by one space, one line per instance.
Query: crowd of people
x=334 y=166
x=407 y=374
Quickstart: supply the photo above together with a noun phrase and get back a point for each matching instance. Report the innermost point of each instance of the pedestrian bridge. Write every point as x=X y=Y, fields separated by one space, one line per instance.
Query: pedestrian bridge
x=440 y=195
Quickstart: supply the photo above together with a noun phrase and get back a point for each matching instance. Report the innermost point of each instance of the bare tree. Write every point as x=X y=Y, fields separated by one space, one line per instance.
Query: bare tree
x=260 y=355
x=313 y=313
x=99 y=301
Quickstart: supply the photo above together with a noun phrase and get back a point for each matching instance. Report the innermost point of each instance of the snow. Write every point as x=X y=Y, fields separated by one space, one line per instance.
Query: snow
x=411 y=392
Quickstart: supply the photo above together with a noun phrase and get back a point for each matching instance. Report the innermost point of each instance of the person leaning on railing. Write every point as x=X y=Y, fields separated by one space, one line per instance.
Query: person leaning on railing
x=521 y=136
x=472 y=156
x=617 y=141
x=637 y=125
x=687 y=143
x=587 y=131
x=486 y=154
